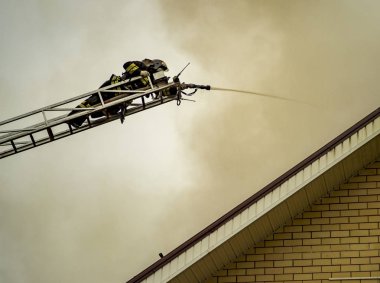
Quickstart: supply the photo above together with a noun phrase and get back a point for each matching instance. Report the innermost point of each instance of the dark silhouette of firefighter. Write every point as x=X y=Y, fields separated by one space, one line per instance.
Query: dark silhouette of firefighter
x=144 y=68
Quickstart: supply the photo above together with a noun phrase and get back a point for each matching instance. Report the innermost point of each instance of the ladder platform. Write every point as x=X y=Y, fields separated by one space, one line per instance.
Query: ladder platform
x=52 y=122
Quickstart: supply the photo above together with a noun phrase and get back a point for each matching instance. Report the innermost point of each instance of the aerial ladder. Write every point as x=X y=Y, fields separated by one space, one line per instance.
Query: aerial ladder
x=52 y=122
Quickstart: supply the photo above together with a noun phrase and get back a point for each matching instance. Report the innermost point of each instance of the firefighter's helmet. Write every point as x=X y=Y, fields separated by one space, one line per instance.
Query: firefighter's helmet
x=155 y=65
x=147 y=62
x=160 y=65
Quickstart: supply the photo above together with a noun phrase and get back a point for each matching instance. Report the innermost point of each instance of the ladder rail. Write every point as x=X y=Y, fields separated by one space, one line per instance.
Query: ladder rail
x=73 y=99
x=15 y=139
x=52 y=106
x=35 y=143
x=64 y=118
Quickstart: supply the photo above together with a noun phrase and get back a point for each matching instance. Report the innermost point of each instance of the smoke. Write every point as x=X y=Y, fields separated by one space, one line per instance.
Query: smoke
x=78 y=209
x=321 y=52
x=101 y=205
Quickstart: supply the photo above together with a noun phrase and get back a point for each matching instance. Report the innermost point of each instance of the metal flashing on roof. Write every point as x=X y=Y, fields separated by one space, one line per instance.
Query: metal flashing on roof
x=264 y=212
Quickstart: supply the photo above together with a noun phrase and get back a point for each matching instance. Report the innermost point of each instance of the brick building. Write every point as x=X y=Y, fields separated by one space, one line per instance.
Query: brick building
x=318 y=222
x=336 y=237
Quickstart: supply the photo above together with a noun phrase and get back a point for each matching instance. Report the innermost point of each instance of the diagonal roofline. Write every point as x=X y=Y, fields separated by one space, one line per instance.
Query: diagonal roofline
x=254 y=198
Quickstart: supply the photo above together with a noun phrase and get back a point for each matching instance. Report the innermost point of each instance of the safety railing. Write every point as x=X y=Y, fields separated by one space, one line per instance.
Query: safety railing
x=52 y=122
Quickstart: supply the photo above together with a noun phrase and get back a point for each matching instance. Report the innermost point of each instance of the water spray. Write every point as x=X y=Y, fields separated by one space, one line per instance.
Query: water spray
x=251 y=92
x=230 y=90
x=184 y=86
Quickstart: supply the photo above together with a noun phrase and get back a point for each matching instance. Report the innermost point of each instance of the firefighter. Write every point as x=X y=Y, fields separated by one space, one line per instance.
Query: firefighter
x=132 y=69
x=144 y=69
x=94 y=100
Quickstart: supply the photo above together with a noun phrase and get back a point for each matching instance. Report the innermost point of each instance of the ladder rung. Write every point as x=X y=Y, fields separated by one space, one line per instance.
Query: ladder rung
x=33 y=141
x=14 y=146
x=50 y=133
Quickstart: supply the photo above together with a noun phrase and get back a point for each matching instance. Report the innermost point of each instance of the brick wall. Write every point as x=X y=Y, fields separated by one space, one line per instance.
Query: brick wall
x=339 y=236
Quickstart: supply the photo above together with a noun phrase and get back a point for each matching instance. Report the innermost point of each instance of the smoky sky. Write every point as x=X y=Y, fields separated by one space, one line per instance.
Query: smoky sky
x=320 y=52
x=100 y=206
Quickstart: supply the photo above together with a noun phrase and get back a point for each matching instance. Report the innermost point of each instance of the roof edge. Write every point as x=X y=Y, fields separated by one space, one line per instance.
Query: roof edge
x=255 y=197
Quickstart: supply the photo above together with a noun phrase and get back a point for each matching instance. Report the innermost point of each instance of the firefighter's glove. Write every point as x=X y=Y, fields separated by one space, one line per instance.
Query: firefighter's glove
x=144 y=73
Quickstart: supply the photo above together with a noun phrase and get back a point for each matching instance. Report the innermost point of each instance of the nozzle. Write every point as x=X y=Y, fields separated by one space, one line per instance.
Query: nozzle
x=207 y=87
